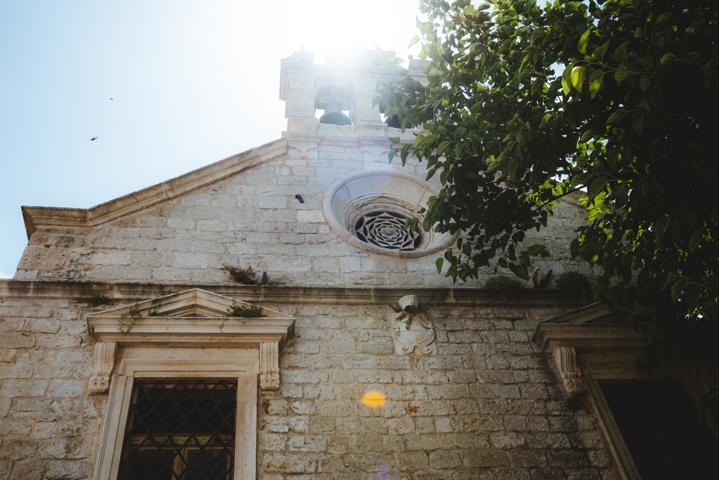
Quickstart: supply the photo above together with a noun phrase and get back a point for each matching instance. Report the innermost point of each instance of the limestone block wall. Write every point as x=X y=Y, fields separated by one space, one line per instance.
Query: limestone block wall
x=253 y=218
x=485 y=406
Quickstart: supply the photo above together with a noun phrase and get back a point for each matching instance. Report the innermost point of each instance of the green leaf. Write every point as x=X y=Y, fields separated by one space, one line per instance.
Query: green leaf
x=439 y=263
x=596 y=186
x=583 y=42
x=537 y=250
x=578 y=78
x=567 y=80
x=443 y=147
x=601 y=50
x=620 y=53
x=645 y=82
x=621 y=73
x=586 y=136
x=414 y=41
x=668 y=58
x=616 y=117
x=596 y=80
x=520 y=271
x=694 y=240
x=638 y=118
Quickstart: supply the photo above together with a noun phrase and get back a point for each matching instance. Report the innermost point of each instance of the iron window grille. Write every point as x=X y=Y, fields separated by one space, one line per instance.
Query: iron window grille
x=180 y=430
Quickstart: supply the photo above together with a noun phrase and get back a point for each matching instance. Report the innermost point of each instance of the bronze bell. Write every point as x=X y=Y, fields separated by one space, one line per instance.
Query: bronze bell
x=334 y=101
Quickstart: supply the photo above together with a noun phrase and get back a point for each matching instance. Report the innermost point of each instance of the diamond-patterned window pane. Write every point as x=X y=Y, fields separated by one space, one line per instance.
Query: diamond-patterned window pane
x=180 y=430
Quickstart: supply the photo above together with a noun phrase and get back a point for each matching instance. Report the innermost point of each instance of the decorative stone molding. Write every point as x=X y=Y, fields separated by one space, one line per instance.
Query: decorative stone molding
x=565 y=360
x=269 y=366
x=103 y=362
x=82 y=291
x=194 y=318
x=590 y=339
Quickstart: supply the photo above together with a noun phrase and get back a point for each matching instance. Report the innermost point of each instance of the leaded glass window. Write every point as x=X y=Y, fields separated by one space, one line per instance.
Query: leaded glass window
x=180 y=430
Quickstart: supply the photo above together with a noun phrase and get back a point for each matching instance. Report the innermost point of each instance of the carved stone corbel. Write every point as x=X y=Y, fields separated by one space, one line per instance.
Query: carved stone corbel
x=103 y=362
x=565 y=360
x=269 y=366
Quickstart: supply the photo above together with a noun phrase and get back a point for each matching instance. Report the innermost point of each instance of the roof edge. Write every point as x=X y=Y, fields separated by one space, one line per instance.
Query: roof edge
x=81 y=219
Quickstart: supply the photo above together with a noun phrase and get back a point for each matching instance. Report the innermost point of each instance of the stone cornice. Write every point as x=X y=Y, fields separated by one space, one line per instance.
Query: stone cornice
x=590 y=336
x=124 y=292
x=80 y=220
x=591 y=326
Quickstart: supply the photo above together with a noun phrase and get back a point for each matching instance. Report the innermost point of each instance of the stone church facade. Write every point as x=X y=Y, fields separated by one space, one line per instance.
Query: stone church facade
x=345 y=354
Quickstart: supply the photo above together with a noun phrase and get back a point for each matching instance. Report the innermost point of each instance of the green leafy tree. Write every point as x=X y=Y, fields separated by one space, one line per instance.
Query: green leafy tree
x=617 y=99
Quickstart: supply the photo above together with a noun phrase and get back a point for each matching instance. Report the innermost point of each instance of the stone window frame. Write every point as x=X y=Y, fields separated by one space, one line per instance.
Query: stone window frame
x=590 y=345
x=360 y=193
x=107 y=462
x=183 y=335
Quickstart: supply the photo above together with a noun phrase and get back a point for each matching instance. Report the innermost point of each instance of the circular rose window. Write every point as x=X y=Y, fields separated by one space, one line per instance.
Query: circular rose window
x=382 y=212
x=390 y=230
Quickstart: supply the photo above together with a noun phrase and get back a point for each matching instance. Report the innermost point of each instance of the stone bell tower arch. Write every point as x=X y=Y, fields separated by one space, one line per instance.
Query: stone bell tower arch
x=338 y=97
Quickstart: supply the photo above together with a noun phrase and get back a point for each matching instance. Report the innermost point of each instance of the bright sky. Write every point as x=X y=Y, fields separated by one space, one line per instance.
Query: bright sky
x=192 y=81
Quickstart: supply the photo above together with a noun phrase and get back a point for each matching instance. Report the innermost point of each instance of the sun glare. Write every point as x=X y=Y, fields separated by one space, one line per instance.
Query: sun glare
x=322 y=26
x=373 y=399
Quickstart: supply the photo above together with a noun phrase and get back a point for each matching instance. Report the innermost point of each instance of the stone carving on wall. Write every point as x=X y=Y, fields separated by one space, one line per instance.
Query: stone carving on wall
x=269 y=366
x=412 y=331
x=103 y=361
x=565 y=360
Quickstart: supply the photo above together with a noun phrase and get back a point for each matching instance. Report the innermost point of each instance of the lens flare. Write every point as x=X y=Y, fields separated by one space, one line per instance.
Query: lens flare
x=373 y=399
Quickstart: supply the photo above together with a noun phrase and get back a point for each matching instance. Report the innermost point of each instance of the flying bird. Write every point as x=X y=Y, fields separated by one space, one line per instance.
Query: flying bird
x=93 y=139
x=112 y=98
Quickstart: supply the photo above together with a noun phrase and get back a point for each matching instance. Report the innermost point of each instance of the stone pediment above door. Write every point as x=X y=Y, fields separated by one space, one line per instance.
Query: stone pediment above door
x=192 y=318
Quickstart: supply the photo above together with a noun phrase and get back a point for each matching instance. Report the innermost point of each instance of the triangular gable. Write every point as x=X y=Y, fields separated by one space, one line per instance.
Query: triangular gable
x=83 y=218
x=191 y=303
x=592 y=326
x=593 y=313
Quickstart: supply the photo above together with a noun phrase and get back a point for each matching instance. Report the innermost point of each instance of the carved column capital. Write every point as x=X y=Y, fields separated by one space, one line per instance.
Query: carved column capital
x=565 y=360
x=269 y=366
x=103 y=363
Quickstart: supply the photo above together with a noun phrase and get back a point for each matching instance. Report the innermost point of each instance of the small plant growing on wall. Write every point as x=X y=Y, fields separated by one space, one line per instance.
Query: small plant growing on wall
x=246 y=276
x=154 y=312
x=240 y=310
x=408 y=308
x=129 y=320
x=575 y=283
x=98 y=300
x=503 y=284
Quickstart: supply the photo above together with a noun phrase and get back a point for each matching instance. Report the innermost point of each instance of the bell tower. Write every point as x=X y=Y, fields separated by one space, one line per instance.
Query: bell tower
x=337 y=98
